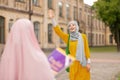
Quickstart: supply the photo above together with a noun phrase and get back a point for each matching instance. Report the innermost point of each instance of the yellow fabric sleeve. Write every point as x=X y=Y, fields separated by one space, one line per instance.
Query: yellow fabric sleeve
x=61 y=34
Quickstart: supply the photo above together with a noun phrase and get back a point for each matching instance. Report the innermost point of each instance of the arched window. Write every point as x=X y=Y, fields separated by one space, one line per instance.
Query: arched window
x=50 y=4
x=60 y=9
x=2 y=29
x=75 y=13
x=67 y=11
x=37 y=30
x=50 y=33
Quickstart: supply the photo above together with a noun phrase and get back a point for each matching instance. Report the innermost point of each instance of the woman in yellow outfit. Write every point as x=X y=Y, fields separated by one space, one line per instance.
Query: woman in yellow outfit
x=78 y=47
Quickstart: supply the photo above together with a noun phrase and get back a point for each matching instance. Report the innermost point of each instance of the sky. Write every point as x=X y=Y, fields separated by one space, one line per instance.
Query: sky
x=89 y=2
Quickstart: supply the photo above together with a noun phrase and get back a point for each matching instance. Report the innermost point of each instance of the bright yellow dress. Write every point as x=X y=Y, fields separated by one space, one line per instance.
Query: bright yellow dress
x=77 y=72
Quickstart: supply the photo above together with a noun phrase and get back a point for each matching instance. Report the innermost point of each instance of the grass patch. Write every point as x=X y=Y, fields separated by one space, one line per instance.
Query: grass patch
x=118 y=76
x=103 y=49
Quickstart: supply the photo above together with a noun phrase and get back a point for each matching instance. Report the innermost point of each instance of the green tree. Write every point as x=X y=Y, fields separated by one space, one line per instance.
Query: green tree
x=109 y=12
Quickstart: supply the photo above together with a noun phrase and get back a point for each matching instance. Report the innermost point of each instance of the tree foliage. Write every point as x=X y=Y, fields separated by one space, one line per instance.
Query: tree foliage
x=109 y=12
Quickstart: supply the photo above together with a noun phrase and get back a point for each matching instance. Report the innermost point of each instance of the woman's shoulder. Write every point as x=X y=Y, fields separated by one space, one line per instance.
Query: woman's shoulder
x=83 y=35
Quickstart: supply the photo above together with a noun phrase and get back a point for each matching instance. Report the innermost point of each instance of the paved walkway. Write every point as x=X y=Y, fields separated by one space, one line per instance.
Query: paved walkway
x=104 y=67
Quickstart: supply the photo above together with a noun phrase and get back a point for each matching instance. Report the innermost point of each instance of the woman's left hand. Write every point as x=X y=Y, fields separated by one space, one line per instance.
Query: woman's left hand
x=88 y=66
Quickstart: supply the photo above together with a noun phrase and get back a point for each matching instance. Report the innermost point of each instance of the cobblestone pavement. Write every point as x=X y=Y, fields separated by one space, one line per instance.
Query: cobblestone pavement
x=104 y=66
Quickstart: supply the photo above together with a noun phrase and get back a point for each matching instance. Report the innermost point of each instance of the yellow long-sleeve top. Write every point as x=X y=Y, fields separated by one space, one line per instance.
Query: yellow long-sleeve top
x=73 y=44
x=77 y=71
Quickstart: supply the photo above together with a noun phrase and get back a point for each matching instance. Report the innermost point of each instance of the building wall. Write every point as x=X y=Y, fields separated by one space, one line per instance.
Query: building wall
x=95 y=30
x=13 y=10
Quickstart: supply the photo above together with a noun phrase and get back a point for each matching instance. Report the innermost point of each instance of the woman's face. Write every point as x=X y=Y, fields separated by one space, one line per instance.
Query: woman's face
x=72 y=27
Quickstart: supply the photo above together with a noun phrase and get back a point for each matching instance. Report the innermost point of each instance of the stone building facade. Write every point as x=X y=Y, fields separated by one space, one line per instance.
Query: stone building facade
x=65 y=10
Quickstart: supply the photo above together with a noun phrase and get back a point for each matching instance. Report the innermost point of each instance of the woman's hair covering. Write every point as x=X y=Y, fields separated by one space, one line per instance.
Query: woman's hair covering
x=22 y=58
x=75 y=23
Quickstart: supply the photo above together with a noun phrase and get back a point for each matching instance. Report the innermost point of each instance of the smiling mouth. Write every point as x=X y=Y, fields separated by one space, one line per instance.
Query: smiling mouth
x=72 y=29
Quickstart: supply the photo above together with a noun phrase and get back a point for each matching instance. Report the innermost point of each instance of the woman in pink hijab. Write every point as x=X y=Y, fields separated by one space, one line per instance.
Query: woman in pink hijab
x=22 y=58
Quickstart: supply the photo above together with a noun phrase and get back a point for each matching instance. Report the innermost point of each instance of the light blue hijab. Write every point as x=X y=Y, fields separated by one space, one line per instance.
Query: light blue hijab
x=80 y=54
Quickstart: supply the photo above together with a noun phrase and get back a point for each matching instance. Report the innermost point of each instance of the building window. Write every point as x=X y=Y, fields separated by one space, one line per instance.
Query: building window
x=96 y=39
x=99 y=39
x=88 y=21
x=103 y=39
x=85 y=19
x=80 y=14
x=75 y=13
x=2 y=30
x=67 y=11
x=95 y=24
x=61 y=41
x=60 y=9
x=20 y=0
x=50 y=33
x=10 y=24
x=92 y=38
x=37 y=30
x=111 y=39
x=50 y=4
x=89 y=38
x=99 y=25
x=36 y=2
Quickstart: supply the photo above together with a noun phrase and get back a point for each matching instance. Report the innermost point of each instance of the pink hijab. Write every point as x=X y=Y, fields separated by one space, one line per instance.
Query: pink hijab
x=22 y=58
